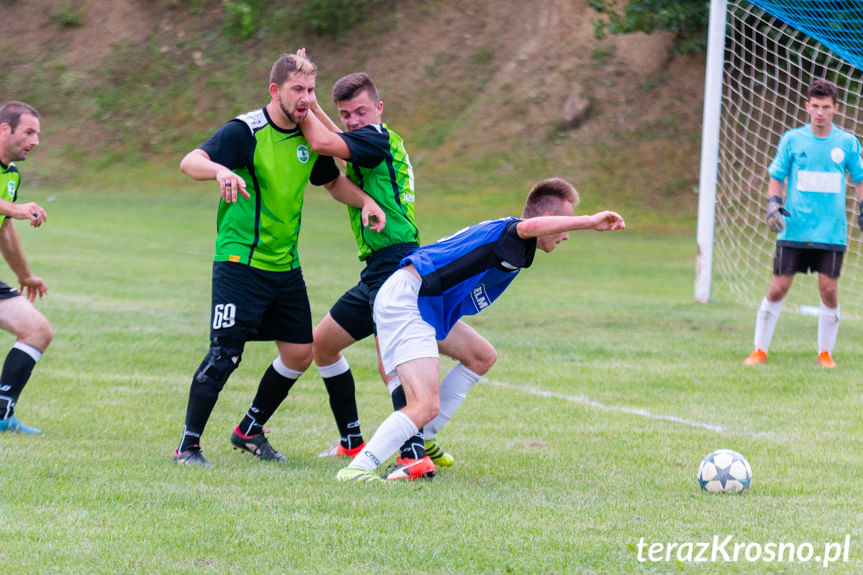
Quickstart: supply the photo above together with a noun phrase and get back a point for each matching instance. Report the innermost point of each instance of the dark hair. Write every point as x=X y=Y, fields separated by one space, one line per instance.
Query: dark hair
x=547 y=197
x=288 y=64
x=347 y=87
x=823 y=89
x=11 y=113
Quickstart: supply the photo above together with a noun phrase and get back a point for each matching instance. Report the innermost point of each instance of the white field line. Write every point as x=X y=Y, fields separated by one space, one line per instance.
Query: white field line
x=582 y=399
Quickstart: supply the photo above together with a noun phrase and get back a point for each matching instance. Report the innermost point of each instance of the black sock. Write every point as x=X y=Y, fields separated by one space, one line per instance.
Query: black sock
x=202 y=399
x=343 y=403
x=414 y=447
x=16 y=371
x=272 y=391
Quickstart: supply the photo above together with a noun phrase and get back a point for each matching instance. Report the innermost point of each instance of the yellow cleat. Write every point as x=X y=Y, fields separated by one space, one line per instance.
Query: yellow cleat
x=358 y=475
x=438 y=455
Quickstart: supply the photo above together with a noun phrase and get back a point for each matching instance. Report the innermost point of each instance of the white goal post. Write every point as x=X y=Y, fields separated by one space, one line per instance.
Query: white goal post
x=762 y=54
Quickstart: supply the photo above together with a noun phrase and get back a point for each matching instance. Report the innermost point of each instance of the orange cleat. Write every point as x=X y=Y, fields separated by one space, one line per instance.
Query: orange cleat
x=756 y=357
x=339 y=450
x=825 y=359
x=412 y=469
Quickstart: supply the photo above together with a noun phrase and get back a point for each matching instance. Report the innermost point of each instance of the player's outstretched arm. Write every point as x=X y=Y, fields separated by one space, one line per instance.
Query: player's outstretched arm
x=198 y=165
x=607 y=221
x=547 y=225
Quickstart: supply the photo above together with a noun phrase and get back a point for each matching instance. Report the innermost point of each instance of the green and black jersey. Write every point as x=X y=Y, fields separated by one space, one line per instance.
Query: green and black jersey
x=277 y=164
x=10 y=181
x=381 y=167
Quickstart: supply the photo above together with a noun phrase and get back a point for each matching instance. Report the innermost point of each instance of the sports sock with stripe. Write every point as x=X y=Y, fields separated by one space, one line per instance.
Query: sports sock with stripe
x=273 y=389
x=394 y=430
x=16 y=372
x=341 y=389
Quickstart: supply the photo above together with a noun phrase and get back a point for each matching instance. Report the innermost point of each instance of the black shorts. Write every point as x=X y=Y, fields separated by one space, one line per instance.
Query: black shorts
x=7 y=292
x=789 y=261
x=353 y=311
x=258 y=305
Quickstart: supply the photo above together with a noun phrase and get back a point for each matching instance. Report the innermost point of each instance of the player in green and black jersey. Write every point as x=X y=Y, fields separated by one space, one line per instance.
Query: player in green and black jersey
x=19 y=134
x=262 y=163
x=376 y=160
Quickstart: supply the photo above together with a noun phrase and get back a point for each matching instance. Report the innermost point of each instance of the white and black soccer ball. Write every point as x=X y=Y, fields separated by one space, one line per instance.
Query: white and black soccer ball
x=724 y=471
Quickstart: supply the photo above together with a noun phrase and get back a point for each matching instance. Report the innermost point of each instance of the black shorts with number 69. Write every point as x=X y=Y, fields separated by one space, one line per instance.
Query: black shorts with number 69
x=259 y=305
x=789 y=261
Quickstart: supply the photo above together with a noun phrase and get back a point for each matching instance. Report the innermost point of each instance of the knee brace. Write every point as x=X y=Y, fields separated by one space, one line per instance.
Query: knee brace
x=221 y=360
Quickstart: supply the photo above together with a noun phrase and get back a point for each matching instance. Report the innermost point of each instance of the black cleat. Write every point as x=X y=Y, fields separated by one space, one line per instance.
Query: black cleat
x=192 y=456
x=257 y=445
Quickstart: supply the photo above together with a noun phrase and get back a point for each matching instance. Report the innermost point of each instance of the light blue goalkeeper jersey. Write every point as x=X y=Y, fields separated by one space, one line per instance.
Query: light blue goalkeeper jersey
x=815 y=193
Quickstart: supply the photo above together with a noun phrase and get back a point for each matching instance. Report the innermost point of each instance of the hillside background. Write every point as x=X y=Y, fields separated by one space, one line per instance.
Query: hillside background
x=476 y=87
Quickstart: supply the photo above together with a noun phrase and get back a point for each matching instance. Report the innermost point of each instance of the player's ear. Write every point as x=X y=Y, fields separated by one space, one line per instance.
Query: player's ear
x=274 y=90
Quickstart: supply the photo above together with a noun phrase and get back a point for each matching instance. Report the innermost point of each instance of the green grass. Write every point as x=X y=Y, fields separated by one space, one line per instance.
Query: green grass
x=542 y=484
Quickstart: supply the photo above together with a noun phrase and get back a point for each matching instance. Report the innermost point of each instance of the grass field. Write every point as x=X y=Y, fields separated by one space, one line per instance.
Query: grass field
x=583 y=442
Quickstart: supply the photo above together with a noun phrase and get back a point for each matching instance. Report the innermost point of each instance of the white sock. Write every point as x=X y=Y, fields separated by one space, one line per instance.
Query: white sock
x=395 y=430
x=453 y=389
x=393 y=384
x=337 y=368
x=828 y=327
x=284 y=370
x=765 y=323
x=28 y=349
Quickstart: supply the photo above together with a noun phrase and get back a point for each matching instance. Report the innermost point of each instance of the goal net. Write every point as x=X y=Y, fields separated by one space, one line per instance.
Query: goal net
x=773 y=51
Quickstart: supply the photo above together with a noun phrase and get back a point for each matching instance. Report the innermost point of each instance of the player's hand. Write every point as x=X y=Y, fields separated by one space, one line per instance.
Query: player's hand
x=373 y=216
x=608 y=221
x=30 y=211
x=860 y=218
x=32 y=287
x=775 y=213
x=230 y=184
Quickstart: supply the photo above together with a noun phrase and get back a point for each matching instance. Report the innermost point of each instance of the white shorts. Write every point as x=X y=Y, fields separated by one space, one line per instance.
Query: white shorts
x=403 y=334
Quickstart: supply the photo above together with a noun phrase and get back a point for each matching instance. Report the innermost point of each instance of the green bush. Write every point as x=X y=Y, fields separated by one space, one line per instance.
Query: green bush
x=242 y=17
x=687 y=19
x=335 y=17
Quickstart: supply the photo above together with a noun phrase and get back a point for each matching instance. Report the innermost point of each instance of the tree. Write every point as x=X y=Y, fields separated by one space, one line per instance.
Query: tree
x=687 y=19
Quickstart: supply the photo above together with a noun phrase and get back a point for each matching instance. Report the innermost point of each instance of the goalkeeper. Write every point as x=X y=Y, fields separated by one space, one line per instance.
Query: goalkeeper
x=811 y=227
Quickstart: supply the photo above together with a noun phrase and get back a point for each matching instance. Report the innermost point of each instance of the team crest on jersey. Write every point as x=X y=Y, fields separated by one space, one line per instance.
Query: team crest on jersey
x=303 y=154
x=480 y=297
x=12 y=190
x=837 y=155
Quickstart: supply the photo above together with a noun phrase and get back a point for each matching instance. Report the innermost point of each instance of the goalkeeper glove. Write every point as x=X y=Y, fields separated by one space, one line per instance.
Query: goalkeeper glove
x=860 y=217
x=775 y=211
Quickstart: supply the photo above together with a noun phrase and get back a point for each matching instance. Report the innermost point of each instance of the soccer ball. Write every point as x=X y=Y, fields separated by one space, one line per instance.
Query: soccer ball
x=724 y=470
